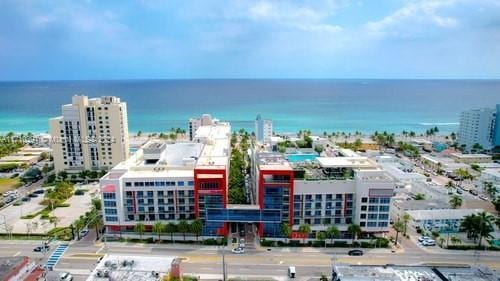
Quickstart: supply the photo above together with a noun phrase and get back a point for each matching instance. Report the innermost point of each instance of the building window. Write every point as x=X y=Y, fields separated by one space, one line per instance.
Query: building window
x=180 y=183
x=364 y=200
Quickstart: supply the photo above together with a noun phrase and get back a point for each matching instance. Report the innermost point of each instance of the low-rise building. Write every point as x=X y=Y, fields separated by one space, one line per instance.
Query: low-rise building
x=135 y=268
x=441 y=220
x=471 y=158
x=19 y=268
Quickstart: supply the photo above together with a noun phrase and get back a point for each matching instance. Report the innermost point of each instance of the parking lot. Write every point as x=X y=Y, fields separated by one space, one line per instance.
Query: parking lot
x=11 y=215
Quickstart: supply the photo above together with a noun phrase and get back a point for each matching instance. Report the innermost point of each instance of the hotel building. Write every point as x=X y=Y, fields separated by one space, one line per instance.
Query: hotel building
x=195 y=123
x=91 y=134
x=263 y=130
x=329 y=191
x=478 y=126
x=169 y=182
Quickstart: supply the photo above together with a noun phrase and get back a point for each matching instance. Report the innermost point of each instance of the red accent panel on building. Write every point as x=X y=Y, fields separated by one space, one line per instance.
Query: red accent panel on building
x=290 y=185
x=298 y=235
x=221 y=182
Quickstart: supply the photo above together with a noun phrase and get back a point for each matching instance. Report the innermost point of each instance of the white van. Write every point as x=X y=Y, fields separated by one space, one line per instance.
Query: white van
x=291 y=271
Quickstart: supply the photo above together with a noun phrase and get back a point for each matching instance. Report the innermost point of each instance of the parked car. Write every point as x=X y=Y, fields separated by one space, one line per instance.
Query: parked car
x=459 y=191
x=26 y=199
x=429 y=242
x=473 y=192
x=33 y=195
x=39 y=191
x=423 y=238
x=65 y=276
x=238 y=250
x=84 y=233
x=482 y=197
x=41 y=248
x=355 y=252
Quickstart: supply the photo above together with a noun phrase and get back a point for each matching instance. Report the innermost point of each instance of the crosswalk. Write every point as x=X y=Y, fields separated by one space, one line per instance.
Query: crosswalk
x=56 y=255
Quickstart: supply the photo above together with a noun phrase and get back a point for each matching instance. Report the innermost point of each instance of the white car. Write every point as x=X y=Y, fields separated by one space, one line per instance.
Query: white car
x=423 y=238
x=429 y=242
x=238 y=250
x=482 y=197
x=64 y=276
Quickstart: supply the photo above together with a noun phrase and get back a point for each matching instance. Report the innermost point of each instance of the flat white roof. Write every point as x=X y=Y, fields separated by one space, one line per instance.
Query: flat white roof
x=441 y=214
x=350 y=162
x=216 y=138
x=492 y=172
x=141 y=269
x=470 y=156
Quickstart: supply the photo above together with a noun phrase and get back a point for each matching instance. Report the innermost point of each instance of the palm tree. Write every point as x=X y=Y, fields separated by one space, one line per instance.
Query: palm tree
x=332 y=232
x=354 y=230
x=305 y=229
x=484 y=226
x=321 y=236
x=158 y=227
x=406 y=219
x=95 y=221
x=399 y=227
x=286 y=230
x=140 y=228
x=456 y=201
x=183 y=227
x=455 y=240
x=469 y=225
x=196 y=227
x=462 y=174
x=490 y=189
x=449 y=186
x=171 y=228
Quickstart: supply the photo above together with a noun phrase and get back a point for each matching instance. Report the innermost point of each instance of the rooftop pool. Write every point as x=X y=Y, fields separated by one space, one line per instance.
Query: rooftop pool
x=301 y=157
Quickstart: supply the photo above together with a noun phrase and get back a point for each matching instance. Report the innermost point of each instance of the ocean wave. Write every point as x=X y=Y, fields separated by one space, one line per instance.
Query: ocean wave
x=439 y=124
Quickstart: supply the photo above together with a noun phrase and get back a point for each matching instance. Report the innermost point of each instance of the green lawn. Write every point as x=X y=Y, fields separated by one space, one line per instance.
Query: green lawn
x=7 y=184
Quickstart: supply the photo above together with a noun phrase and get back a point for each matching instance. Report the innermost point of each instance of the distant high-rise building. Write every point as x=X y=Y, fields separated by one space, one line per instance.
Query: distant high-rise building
x=496 y=135
x=195 y=123
x=263 y=129
x=91 y=134
x=477 y=126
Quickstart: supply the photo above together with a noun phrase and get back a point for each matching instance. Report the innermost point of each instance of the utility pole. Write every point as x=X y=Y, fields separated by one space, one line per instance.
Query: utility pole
x=223 y=262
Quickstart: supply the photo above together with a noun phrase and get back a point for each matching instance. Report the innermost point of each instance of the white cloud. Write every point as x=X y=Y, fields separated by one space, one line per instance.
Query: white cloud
x=414 y=15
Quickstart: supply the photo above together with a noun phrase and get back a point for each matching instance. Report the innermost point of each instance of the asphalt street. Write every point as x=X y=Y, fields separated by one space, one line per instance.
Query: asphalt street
x=81 y=257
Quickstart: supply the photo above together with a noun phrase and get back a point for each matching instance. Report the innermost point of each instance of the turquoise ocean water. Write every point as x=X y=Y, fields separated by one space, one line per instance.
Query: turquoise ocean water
x=318 y=105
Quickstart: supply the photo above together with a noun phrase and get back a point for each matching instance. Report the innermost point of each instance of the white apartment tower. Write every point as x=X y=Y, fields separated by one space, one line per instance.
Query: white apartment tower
x=477 y=126
x=263 y=129
x=91 y=134
x=195 y=123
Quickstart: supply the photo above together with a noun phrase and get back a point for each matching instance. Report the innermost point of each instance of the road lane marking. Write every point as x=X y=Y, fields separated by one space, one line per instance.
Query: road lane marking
x=17 y=254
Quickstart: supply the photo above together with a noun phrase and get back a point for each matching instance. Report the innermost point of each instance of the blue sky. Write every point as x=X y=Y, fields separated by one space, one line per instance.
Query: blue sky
x=52 y=39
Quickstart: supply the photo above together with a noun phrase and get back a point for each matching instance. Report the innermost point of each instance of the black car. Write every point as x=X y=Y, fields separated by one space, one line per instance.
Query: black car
x=25 y=199
x=41 y=248
x=33 y=195
x=355 y=253
x=39 y=191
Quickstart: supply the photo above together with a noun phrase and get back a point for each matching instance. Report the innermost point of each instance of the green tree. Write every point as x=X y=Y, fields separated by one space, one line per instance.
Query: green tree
x=406 y=219
x=399 y=227
x=455 y=201
x=63 y=175
x=455 y=240
x=183 y=227
x=140 y=228
x=96 y=204
x=196 y=227
x=419 y=196
x=95 y=221
x=332 y=232
x=321 y=236
x=469 y=225
x=357 y=144
x=286 y=230
x=490 y=189
x=305 y=229
x=354 y=230
x=171 y=228
x=484 y=226
x=158 y=228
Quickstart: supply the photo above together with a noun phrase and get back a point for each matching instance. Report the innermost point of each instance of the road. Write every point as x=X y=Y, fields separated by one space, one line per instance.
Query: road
x=81 y=258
